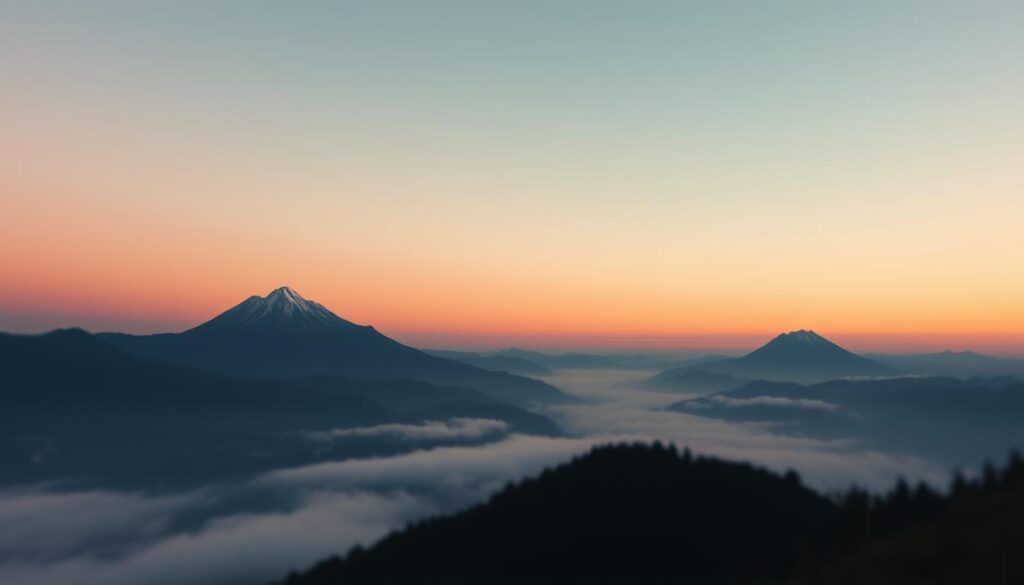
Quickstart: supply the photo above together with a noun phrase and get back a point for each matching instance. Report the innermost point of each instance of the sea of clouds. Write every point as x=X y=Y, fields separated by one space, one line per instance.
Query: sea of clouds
x=257 y=530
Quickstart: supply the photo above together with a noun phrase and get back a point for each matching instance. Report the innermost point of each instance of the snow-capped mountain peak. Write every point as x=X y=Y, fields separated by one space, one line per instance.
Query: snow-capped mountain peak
x=283 y=309
x=803 y=336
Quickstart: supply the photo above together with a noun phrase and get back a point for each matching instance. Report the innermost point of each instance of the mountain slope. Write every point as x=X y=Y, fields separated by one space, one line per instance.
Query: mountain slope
x=644 y=514
x=623 y=514
x=284 y=336
x=981 y=540
x=72 y=406
x=797 y=356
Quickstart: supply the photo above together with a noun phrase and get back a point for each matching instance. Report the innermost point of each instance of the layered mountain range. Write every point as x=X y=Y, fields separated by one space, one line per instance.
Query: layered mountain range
x=283 y=336
x=275 y=381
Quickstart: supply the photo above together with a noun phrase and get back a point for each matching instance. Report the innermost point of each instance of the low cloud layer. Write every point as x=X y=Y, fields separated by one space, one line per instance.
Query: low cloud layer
x=824 y=465
x=258 y=530
x=777 y=401
x=236 y=549
x=283 y=521
x=38 y=525
x=452 y=429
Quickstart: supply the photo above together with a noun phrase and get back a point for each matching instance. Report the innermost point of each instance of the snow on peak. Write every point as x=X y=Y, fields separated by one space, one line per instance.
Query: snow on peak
x=804 y=336
x=286 y=293
x=285 y=307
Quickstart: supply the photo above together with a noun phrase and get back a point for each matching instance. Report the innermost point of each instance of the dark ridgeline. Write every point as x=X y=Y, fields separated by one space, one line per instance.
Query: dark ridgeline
x=624 y=514
x=648 y=514
x=74 y=407
x=798 y=356
x=973 y=534
x=284 y=336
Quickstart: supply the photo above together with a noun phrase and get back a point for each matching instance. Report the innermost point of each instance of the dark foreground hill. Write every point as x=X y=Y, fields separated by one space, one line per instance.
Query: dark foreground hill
x=648 y=514
x=283 y=336
x=620 y=514
x=74 y=407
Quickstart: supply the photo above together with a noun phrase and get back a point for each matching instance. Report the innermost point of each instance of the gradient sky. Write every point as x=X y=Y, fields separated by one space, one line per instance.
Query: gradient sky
x=574 y=174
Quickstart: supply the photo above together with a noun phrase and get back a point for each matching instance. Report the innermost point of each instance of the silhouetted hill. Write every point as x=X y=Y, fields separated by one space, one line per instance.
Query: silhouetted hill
x=954 y=421
x=72 y=406
x=914 y=535
x=284 y=336
x=624 y=514
x=797 y=356
x=647 y=514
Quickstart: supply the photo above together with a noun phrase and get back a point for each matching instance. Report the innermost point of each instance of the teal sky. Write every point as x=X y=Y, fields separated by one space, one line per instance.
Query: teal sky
x=649 y=158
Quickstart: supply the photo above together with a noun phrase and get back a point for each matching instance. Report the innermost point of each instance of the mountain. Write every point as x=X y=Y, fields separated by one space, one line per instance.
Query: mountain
x=284 y=336
x=946 y=420
x=74 y=407
x=797 y=356
x=647 y=514
x=622 y=514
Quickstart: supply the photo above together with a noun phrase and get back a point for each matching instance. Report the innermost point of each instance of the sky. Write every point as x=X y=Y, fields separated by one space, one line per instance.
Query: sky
x=552 y=174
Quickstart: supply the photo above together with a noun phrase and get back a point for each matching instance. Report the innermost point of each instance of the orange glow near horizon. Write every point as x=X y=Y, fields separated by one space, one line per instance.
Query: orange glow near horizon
x=433 y=320
x=141 y=270
x=460 y=190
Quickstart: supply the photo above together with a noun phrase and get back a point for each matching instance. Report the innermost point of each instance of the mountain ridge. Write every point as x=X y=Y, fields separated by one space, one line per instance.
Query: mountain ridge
x=70 y=400
x=284 y=336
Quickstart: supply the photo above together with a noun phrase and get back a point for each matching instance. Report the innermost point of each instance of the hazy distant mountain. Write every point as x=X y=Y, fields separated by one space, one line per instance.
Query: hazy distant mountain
x=73 y=406
x=501 y=363
x=284 y=336
x=961 y=364
x=798 y=356
x=949 y=420
x=646 y=514
x=588 y=361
